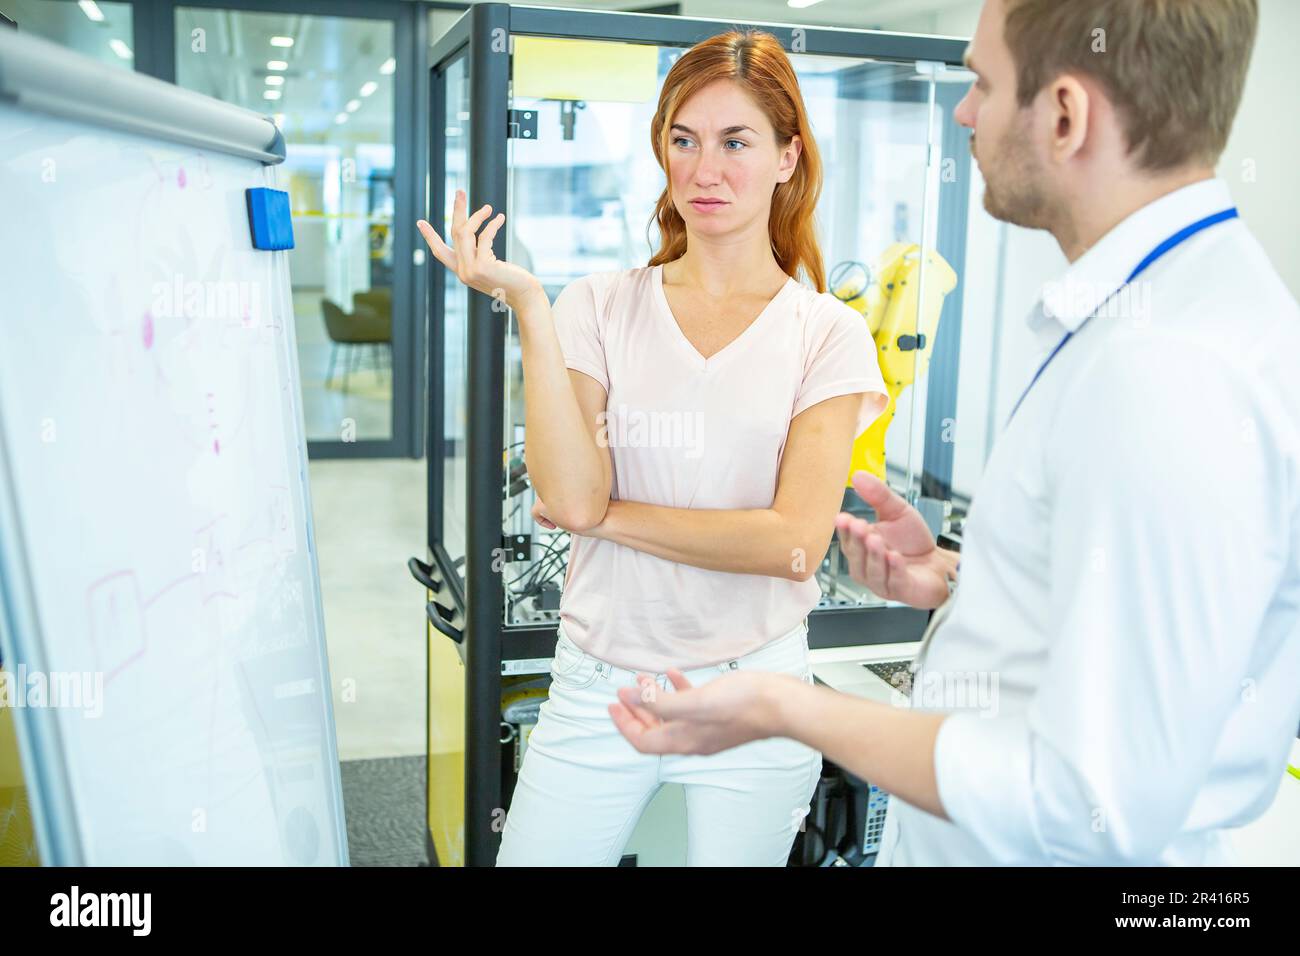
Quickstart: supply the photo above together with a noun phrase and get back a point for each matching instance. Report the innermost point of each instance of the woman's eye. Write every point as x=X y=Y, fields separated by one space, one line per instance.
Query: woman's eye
x=741 y=142
x=680 y=139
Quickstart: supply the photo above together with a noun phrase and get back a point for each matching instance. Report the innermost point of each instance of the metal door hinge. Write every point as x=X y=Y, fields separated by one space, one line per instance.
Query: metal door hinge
x=521 y=124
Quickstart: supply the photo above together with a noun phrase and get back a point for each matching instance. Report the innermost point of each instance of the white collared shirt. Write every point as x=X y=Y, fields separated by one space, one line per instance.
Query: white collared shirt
x=1127 y=627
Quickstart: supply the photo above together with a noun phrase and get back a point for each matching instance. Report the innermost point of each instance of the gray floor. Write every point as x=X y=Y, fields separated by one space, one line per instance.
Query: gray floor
x=369 y=518
x=383 y=801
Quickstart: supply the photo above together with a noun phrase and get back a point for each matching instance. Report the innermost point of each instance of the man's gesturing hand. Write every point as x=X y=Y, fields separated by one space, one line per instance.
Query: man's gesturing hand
x=895 y=557
x=724 y=713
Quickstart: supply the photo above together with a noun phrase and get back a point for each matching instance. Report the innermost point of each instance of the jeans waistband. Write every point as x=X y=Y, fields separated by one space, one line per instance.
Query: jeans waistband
x=606 y=669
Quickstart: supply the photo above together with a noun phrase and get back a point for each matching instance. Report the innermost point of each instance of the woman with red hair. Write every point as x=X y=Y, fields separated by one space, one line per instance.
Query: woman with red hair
x=690 y=422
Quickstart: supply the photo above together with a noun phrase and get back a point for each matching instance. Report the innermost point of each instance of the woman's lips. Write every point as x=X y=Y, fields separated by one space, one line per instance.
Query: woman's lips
x=707 y=206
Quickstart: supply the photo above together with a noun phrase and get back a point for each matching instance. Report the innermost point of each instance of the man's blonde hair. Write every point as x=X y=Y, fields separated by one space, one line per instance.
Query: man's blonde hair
x=1173 y=68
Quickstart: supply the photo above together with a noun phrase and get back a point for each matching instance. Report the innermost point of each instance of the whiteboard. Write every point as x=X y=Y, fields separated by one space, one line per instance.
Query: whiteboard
x=156 y=549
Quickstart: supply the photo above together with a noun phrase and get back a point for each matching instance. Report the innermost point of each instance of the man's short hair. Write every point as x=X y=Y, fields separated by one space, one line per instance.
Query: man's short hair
x=1173 y=68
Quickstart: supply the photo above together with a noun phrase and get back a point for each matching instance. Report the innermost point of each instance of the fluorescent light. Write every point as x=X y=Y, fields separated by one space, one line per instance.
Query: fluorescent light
x=91 y=9
x=800 y=4
x=274 y=80
x=388 y=66
x=341 y=118
x=281 y=41
x=271 y=94
x=369 y=87
x=353 y=106
x=121 y=49
x=276 y=65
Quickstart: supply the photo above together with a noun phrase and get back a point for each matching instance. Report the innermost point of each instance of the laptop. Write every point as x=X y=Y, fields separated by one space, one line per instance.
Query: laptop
x=878 y=672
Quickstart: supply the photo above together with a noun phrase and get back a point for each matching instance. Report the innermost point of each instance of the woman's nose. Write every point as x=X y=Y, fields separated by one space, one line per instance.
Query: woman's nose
x=707 y=174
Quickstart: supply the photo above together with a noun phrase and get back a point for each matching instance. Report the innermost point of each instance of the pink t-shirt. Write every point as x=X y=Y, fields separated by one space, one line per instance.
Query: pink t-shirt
x=690 y=432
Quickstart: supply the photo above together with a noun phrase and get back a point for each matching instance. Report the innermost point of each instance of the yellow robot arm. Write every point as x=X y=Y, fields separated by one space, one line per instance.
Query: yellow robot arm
x=903 y=323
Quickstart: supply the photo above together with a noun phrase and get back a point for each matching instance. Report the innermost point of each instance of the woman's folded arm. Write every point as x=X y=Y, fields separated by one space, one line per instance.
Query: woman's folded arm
x=787 y=540
x=568 y=468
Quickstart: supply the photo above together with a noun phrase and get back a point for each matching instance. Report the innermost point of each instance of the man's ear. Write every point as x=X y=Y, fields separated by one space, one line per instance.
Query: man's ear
x=1070 y=110
x=790 y=159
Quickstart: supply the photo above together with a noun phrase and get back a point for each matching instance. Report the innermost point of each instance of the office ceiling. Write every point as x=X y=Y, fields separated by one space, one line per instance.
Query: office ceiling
x=334 y=63
x=332 y=60
x=846 y=13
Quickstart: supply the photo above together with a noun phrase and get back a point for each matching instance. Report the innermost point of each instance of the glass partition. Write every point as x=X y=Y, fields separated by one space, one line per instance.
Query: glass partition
x=101 y=30
x=581 y=189
x=455 y=312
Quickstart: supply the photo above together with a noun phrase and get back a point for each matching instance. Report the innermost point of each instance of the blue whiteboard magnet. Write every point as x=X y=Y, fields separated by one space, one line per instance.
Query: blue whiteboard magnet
x=269 y=219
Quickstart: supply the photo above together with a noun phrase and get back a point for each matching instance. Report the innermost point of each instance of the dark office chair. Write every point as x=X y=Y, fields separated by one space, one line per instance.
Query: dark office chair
x=378 y=301
x=354 y=331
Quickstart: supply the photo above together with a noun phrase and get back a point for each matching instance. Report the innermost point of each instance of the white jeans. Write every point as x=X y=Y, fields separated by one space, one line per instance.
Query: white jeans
x=582 y=786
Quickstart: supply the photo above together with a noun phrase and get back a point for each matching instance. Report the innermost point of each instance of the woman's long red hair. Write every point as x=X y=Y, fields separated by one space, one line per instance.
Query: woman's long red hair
x=755 y=60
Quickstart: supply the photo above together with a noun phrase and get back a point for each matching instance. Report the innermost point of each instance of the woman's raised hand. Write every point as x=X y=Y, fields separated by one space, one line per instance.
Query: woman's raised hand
x=471 y=258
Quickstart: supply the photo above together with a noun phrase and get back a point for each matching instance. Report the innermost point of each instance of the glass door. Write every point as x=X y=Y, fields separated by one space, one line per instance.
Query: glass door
x=331 y=84
x=451 y=329
x=100 y=29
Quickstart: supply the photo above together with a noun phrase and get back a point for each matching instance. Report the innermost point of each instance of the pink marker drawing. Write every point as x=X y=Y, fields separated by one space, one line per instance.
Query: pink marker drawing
x=116 y=614
x=212 y=424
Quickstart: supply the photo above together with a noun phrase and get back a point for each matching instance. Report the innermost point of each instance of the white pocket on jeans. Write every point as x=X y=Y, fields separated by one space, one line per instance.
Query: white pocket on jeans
x=570 y=666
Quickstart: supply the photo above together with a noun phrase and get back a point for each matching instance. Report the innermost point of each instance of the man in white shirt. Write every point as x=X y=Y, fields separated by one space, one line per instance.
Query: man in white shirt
x=1130 y=576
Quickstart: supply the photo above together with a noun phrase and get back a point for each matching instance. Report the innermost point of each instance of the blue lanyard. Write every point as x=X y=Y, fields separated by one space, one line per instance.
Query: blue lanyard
x=1176 y=239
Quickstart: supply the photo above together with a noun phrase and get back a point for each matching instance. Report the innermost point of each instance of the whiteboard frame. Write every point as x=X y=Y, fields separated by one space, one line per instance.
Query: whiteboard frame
x=43 y=77
x=49 y=790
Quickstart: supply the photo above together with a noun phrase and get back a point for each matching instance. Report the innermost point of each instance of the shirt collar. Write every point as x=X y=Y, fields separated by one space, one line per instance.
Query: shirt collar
x=1098 y=273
